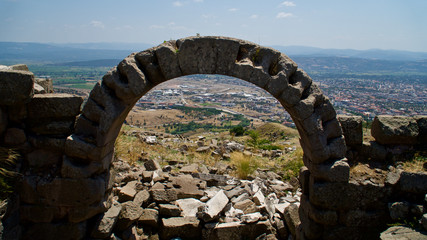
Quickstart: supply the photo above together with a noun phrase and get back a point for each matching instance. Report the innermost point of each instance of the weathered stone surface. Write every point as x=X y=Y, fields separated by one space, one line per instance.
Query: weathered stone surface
x=75 y=169
x=187 y=187
x=189 y=206
x=55 y=105
x=207 y=55
x=424 y=221
x=413 y=182
x=45 y=142
x=167 y=56
x=38 y=89
x=333 y=171
x=181 y=227
x=169 y=210
x=213 y=207
x=16 y=87
x=374 y=151
x=142 y=198
x=80 y=214
x=163 y=195
x=223 y=231
x=319 y=215
x=3 y=121
x=53 y=231
x=105 y=224
x=129 y=214
x=149 y=217
x=48 y=127
x=352 y=129
x=292 y=218
x=43 y=158
x=38 y=214
x=14 y=136
x=71 y=192
x=259 y=198
x=128 y=192
x=46 y=83
x=422 y=127
x=247 y=206
x=399 y=210
x=395 y=130
x=401 y=232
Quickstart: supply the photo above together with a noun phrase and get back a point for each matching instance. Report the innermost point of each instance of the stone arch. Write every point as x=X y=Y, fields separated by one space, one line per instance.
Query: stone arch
x=89 y=150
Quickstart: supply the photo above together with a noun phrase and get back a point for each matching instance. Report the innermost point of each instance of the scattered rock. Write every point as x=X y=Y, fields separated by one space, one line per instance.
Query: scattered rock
x=400 y=232
x=213 y=207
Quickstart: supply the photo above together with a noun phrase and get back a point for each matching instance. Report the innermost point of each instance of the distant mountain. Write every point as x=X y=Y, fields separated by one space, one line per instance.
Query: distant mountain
x=378 y=54
x=91 y=63
x=11 y=52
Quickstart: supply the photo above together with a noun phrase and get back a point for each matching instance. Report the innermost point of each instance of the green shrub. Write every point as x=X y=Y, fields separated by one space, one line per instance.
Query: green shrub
x=237 y=130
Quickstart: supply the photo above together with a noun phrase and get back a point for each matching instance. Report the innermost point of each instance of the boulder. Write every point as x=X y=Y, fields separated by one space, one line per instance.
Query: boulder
x=164 y=195
x=395 y=130
x=187 y=187
x=247 y=206
x=16 y=87
x=141 y=198
x=152 y=165
x=292 y=218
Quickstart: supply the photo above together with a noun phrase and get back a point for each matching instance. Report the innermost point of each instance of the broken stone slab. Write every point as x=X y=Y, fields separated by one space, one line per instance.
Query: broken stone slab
x=281 y=207
x=164 y=195
x=187 y=187
x=292 y=218
x=211 y=210
x=189 y=206
x=240 y=198
x=181 y=228
x=259 y=198
x=251 y=217
x=401 y=232
x=128 y=192
x=247 y=206
x=413 y=182
x=395 y=130
x=169 y=210
x=16 y=87
x=142 y=198
x=149 y=217
x=237 y=191
x=212 y=179
x=129 y=213
x=104 y=226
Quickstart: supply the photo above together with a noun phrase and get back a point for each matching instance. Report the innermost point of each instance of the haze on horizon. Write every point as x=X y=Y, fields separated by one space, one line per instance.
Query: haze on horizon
x=364 y=24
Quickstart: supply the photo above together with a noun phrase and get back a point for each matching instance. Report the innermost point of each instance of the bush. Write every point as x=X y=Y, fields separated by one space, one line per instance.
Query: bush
x=237 y=130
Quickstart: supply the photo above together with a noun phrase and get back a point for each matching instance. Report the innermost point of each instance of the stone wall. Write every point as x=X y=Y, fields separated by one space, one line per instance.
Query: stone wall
x=67 y=148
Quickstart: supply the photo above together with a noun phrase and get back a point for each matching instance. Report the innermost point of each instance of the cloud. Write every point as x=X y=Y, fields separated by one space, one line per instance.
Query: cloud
x=97 y=24
x=198 y=1
x=284 y=15
x=288 y=4
x=178 y=4
x=254 y=16
x=232 y=9
x=157 y=27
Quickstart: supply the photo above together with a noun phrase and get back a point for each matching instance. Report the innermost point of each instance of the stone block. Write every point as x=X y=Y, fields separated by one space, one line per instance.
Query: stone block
x=422 y=127
x=373 y=150
x=352 y=129
x=3 y=121
x=55 y=105
x=413 y=182
x=207 y=55
x=164 y=195
x=135 y=77
x=68 y=192
x=330 y=171
x=16 y=87
x=46 y=84
x=128 y=192
x=46 y=142
x=105 y=224
x=149 y=217
x=169 y=210
x=189 y=206
x=292 y=218
x=150 y=66
x=41 y=158
x=391 y=130
x=360 y=218
x=321 y=216
x=53 y=231
x=232 y=230
x=14 y=136
x=49 y=127
x=129 y=214
x=181 y=227
x=37 y=214
x=167 y=56
x=211 y=210
x=80 y=214
x=38 y=89
x=402 y=232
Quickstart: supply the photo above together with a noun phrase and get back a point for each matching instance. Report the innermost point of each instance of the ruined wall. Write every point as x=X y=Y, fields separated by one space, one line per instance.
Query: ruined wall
x=66 y=182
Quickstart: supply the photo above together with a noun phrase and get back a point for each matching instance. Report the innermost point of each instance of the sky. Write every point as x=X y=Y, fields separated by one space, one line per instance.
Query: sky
x=338 y=24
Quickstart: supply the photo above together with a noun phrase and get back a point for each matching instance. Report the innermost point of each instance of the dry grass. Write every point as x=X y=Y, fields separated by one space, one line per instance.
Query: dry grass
x=244 y=165
x=417 y=162
x=8 y=158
